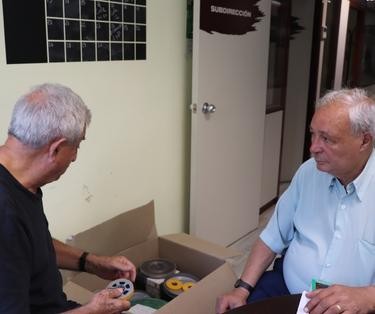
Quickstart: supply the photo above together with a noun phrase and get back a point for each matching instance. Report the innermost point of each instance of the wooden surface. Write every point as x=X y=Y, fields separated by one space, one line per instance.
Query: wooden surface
x=285 y=304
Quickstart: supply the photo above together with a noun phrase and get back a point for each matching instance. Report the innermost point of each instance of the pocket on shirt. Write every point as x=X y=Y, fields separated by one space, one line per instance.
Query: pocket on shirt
x=368 y=234
x=367 y=247
x=365 y=262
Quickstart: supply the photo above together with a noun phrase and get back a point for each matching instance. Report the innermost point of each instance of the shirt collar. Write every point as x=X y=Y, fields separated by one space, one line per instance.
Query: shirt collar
x=362 y=182
x=332 y=181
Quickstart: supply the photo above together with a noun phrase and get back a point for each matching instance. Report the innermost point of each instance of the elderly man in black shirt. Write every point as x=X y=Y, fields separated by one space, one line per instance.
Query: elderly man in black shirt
x=46 y=128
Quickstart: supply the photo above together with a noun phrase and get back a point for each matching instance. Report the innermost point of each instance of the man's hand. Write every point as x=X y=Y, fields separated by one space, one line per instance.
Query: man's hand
x=110 y=267
x=231 y=300
x=103 y=302
x=341 y=299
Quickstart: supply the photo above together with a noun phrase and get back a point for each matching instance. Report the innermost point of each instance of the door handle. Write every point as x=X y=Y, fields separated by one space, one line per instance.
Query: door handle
x=208 y=108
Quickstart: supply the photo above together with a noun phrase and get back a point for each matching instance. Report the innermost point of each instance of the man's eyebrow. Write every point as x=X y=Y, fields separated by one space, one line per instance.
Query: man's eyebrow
x=325 y=133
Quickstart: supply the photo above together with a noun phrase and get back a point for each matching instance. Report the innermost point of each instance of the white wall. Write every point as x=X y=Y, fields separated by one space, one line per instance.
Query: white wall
x=135 y=149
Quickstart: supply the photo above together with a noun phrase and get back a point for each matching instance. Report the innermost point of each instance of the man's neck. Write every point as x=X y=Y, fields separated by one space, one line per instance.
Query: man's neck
x=20 y=161
x=356 y=171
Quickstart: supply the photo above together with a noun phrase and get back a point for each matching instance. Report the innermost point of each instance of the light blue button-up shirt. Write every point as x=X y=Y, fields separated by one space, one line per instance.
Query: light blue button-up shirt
x=328 y=231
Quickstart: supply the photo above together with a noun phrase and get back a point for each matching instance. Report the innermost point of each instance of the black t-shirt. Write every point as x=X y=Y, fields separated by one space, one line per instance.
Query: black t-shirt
x=29 y=278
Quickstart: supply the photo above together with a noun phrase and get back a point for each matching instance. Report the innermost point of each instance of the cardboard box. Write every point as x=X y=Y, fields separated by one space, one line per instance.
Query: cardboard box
x=133 y=234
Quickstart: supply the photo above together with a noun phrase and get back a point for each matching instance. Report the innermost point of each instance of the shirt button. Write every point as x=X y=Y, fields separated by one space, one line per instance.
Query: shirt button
x=338 y=236
x=343 y=206
x=328 y=265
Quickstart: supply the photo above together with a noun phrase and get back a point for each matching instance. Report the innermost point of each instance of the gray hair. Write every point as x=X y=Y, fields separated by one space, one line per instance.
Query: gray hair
x=361 y=108
x=49 y=112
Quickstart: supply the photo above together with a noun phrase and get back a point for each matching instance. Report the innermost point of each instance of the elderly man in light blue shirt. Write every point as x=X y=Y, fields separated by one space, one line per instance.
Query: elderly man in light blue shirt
x=324 y=224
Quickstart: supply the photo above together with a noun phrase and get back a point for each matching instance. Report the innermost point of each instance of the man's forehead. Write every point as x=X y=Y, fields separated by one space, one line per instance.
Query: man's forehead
x=332 y=113
x=330 y=118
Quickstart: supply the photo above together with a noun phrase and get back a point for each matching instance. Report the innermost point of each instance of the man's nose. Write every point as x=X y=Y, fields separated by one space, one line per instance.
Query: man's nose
x=74 y=157
x=315 y=146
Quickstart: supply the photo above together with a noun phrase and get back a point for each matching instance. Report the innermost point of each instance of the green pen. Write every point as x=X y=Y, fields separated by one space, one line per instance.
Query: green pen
x=319 y=284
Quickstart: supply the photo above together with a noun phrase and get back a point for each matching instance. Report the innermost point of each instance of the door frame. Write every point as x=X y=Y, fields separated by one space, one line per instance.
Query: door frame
x=335 y=51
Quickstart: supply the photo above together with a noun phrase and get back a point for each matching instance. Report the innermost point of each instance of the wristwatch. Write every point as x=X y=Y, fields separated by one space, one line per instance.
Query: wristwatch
x=243 y=284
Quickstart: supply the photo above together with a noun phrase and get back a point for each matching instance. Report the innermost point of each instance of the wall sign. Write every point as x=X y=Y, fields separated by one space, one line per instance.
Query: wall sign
x=39 y=31
x=229 y=17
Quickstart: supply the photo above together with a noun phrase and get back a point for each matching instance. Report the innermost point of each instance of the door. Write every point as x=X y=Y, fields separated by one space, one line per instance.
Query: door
x=332 y=45
x=230 y=57
x=328 y=55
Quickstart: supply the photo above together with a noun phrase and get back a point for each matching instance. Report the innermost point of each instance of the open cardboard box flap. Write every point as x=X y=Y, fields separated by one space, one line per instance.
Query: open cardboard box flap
x=139 y=242
x=134 y=227
x=123 y=231
x=210 y=248
x=77 y=293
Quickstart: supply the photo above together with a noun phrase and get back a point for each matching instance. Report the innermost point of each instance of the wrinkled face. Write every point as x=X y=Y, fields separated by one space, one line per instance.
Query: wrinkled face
x=335 y=149
x=66 y=155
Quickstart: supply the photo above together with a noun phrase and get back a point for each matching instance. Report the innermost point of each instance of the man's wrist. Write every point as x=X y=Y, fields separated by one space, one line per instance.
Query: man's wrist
x=244 y=285
x=82 y=261
x=242 y=293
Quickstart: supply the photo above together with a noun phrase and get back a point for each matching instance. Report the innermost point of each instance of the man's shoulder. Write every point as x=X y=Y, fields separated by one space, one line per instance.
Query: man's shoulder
x=308 y=167
x=308 y=172
x=9 y=197
x=7 y=201
x=5 y=190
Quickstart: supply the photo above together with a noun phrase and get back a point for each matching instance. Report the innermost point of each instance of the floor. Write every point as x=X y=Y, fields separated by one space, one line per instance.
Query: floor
x=244 y=244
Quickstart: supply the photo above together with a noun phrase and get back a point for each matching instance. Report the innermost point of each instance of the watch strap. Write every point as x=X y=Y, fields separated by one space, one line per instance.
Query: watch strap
x=82 y=261
x=244 y=284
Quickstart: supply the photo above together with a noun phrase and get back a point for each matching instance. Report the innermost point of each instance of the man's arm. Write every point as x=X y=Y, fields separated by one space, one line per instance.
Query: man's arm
x=106 y=267
x=67 y=256
x=260 y=258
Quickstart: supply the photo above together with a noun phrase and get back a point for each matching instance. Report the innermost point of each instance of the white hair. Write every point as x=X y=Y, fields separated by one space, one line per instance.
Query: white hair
x=49 y=112
x=361 y=108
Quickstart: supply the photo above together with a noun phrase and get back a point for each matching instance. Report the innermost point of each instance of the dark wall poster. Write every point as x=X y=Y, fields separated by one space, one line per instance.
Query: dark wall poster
x=40 y=31
x=229 y=17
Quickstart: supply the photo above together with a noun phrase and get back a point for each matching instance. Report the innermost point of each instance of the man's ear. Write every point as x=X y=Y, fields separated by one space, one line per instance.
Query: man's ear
x=55 y=146
x=366 y=140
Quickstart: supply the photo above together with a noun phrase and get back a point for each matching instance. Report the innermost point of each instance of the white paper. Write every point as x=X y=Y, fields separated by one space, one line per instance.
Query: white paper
x=140 y=309
x=302 y=303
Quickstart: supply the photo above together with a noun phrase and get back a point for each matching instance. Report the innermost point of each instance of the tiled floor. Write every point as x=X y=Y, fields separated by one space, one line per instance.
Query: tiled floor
x=244 y=244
